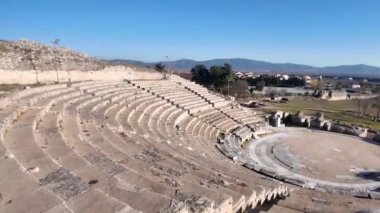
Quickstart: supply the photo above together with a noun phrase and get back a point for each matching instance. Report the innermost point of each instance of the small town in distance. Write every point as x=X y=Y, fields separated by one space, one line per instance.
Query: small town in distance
x=269 y=92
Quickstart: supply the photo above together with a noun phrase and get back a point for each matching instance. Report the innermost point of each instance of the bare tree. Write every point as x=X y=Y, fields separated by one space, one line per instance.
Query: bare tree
x=283 y=92
x=366 y=106
x=56 y=42
x=272 y=93
x=169 y=72
x=376 y=105
x=321 y=84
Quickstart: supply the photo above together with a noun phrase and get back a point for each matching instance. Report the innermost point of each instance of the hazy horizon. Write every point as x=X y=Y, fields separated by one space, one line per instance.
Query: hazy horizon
x=316 y=33
x=210 y=59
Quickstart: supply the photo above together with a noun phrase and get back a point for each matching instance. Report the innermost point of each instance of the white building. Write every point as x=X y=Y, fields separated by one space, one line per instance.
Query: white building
x=307 y=79
x=239 y=74
x=285 y=77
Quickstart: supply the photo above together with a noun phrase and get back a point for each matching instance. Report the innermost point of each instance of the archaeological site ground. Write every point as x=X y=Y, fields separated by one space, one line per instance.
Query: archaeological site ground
x=85 y=137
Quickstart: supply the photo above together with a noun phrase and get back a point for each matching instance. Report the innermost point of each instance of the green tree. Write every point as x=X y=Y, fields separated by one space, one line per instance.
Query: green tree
x=229 y=75
x=160 y=67
x=216 y=76
x=221 y=76
x=201 y=75
x=339 y=85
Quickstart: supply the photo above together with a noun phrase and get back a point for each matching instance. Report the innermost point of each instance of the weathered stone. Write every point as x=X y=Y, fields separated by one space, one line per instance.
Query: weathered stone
x=349 y=130
x=300 y=119
x=28 y=55
x=374 y=195
x=64 y=184
x=109 y=166
x=196 y=203
x=321 y=201
x=276 y=119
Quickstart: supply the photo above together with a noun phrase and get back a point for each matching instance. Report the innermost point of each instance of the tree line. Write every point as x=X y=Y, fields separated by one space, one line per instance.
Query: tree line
x=274 y=81
x=217 y=77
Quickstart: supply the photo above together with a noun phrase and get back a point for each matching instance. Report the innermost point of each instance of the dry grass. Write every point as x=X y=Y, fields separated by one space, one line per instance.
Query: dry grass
x=3 y=48
x=10 y=87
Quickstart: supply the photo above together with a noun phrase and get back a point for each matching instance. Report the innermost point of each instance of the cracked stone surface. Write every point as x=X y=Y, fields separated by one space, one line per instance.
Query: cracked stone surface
x=196 y=203
x=64 y=184
x=108 y=165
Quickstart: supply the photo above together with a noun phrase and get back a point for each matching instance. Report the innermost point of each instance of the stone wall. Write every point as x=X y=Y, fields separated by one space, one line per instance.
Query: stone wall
x=319 y=122
x=109 y=73
x=343 y=95
x=300 y=119
x=350 y=130
x=336 y=96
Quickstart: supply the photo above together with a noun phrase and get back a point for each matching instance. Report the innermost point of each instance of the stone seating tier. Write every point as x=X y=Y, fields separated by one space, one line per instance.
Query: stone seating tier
x=115 y=147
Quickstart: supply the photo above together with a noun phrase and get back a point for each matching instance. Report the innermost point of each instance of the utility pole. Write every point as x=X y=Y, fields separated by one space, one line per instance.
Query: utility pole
x=168 y=66
x=55 y=60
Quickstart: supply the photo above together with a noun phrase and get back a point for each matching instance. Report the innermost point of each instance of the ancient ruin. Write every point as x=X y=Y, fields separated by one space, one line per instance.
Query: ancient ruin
x=28 y=55
x=126 y=140
x=300 y=119
x=320 y=122
x=276 y=119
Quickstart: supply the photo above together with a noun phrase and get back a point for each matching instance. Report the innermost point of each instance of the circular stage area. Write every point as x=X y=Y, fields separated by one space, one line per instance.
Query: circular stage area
x=319 y=159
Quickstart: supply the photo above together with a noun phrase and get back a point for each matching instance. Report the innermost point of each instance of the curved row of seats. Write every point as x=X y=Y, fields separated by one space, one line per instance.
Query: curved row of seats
x=119 y=147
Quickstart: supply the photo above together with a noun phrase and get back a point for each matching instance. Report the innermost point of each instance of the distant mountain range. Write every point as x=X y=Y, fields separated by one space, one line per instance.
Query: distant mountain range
x=247 y=65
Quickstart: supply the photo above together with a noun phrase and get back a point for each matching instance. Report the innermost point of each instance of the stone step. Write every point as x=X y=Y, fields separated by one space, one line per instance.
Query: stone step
x=39 y=200
x=104 y=135
x=96 y=201
x=275 y=209
x=102 y=163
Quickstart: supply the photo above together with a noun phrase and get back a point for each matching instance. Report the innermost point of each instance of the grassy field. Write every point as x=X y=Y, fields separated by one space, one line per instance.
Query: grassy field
x=333 y=110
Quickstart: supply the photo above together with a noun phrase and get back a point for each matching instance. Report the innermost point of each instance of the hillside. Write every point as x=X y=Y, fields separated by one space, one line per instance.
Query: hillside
x=245 y=65
x=29 y=55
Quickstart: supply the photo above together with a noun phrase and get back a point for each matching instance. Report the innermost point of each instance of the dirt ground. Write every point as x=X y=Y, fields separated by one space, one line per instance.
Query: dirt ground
x=331 y=156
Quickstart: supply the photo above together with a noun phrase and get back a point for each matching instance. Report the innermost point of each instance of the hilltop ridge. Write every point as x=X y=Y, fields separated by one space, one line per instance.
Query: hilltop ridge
x=22 y=55
x=29 y=55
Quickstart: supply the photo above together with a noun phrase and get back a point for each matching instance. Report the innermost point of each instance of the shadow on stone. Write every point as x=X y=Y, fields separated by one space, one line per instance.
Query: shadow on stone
x=369 y=175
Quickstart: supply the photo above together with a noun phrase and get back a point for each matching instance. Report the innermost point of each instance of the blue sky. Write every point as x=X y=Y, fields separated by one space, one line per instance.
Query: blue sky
x=313 y=32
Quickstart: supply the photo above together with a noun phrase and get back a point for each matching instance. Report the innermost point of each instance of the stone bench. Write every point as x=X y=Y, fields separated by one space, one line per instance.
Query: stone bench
x=124 y=140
